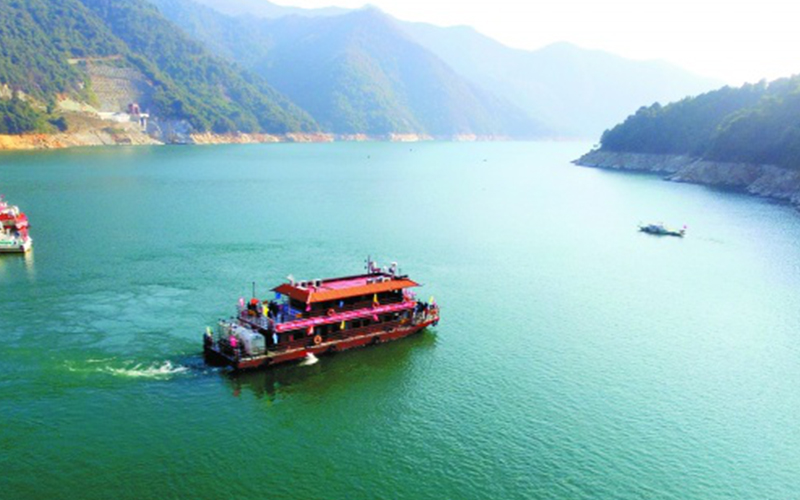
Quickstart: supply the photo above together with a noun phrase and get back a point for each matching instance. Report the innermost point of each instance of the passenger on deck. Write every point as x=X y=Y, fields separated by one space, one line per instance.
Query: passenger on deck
x=234 y=344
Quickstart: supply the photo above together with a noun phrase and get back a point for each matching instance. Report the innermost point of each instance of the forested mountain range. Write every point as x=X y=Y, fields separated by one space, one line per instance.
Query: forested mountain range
x=280 y=69
x=573 y=92
x=755 y=123
x=355 y=73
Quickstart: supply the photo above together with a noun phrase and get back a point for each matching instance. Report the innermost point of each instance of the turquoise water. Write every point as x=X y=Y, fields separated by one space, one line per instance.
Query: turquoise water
x=576 y=358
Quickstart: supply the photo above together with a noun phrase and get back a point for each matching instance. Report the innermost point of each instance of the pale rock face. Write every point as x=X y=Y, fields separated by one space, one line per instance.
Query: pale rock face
x=761 y=180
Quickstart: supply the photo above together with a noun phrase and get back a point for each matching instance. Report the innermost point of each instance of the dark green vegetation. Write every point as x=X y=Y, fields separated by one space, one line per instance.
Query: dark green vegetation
x=753 y=124
x=192 y=84
x=355 y=73
x=39 y=37
x=18 y=116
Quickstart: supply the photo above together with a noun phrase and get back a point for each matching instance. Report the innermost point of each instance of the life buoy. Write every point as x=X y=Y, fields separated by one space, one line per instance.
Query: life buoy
x=331 y=312
x=317 y=339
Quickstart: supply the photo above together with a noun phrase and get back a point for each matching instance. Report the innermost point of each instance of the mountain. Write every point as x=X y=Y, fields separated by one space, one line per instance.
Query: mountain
x=755 y=124
x=37 y=38
x=51 y=48
x=574 y=91
x=268 y=10
x=577 y=91
x=355 y=73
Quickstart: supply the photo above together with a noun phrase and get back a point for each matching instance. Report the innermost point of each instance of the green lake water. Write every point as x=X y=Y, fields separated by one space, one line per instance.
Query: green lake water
x=576 y=357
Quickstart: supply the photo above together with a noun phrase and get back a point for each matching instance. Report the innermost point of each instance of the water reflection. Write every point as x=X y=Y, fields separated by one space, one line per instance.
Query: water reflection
x=10 y=262
x=29 y=268
x=333 y=372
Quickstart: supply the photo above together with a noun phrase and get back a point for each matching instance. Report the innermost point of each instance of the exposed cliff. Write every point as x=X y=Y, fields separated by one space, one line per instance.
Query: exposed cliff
x=85 y=129
x=761 y=180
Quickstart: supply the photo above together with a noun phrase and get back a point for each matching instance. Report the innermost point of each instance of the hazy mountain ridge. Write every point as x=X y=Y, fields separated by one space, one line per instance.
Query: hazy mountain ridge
x=571 y=90
x=578 y=91
x=355 y=73
x=267 y=10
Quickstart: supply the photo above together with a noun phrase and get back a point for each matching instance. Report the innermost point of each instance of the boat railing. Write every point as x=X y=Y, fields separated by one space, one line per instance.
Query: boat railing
x=222 y=337
x=351 y=307
x=427 y=312
x=308 y=340
x=284 y=315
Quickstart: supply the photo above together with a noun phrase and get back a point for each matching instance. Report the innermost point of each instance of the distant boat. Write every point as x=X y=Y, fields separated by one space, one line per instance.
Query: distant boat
x=660 y=229
x=14 y=237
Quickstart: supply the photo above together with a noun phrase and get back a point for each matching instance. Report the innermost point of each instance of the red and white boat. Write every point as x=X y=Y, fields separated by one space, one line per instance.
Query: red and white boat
x=14 y=237
x=320 y=316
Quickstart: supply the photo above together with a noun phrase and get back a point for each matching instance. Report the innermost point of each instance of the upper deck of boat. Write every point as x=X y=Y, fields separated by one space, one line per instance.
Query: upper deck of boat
x=345 y=287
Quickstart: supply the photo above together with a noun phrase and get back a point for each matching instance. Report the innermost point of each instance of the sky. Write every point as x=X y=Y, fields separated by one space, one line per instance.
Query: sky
x=733 y=41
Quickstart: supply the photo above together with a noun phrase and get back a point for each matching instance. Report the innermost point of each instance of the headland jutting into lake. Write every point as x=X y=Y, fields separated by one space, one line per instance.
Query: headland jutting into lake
x=769 y=181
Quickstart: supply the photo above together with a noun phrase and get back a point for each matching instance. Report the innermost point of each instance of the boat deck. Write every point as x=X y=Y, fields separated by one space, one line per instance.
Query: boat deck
x=341 y=341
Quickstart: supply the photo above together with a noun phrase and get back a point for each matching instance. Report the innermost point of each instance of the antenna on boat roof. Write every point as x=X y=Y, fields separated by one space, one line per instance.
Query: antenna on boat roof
x=254 y=290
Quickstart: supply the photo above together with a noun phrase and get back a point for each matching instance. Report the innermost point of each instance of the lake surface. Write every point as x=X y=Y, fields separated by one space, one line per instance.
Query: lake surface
x=576 y=357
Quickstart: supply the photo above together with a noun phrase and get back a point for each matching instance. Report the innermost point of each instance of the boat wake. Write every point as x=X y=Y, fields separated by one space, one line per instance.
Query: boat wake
x=309 y=360
x=162 y=371
x=158 y=370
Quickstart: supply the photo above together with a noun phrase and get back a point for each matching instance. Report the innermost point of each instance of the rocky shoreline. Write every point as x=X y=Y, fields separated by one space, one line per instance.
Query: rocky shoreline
x=128 y=138
x=111 y=136
x=768 y=181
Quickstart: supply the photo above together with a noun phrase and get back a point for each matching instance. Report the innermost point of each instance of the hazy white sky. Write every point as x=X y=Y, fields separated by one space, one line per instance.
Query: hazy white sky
x=733 y=40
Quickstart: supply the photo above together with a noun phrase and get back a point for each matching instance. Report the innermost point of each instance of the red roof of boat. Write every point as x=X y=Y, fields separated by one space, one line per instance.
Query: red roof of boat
x=342 y=288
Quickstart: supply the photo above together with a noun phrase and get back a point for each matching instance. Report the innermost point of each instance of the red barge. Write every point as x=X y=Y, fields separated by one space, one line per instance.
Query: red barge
x=320 y=316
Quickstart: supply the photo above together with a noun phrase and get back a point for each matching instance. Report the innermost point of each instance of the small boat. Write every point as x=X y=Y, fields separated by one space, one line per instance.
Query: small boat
x=314 y=317
x=14 y=237
x=660 y=229
x=15 y=244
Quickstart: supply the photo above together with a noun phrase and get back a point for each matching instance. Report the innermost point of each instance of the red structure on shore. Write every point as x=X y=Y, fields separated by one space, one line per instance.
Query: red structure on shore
x=320 y=316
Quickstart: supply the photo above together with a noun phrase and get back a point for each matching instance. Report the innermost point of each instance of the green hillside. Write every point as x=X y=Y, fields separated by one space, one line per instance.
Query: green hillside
x=355 y=73
x=752 y=124
x=37 y=39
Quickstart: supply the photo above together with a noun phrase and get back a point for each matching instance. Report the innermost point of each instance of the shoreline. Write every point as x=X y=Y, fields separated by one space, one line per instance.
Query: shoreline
x=766 y=181
x=114 y=137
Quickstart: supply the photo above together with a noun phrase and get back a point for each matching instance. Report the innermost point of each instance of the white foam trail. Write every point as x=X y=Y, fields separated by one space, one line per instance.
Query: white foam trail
x=309 y=360
x=162 y=371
